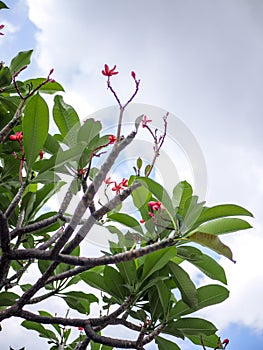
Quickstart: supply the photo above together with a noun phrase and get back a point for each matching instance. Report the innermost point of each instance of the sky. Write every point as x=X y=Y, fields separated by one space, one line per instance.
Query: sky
x=200 y=60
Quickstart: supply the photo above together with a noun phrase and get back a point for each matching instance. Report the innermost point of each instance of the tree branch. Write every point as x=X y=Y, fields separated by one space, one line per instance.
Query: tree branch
x=36 y=226
x=24 y=254
x=15 y=201
x=6 y=129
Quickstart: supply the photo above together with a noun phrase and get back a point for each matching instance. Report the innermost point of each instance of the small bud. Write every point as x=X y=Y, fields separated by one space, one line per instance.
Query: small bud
x=133 y=75
x=41 y=154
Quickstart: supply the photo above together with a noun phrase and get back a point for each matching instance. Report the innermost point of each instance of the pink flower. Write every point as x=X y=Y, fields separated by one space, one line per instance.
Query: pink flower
x=154 y=205
x=142 y=221
x=117 y=188
x=112 y=139
x=1 y=27
x=125 y=182
x=17 y=137
x=109 y=72
x=145 y=121
x=108 y=181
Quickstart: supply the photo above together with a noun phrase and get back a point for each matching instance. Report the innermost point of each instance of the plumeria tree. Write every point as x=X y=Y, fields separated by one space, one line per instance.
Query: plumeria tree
x=138 y=282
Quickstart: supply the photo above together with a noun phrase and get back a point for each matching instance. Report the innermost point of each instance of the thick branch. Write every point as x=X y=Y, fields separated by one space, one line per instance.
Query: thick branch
x=24 y=254
x=36 y=226
x=114 y=342
x=88 y=196
x=15 y=201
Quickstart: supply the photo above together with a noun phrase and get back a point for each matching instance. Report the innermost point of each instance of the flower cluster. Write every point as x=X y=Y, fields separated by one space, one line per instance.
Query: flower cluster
x=154 y=206
x=118 y=187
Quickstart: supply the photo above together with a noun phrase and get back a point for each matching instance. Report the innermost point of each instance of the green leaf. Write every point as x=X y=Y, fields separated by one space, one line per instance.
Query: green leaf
x=21 y=60
x=184 y=284
x=213 y=242
x=210 y=341
x=55 y=326
x=89 y=130
x=3 y=5
x=126 y=220
x=159 y=192
x=164 y=295
x=194 y=326
x=58 y=160
x=222 y=210
x=114 y=283
x=48 y=88
x=203 y=262
x=165 y=344
x=181 y=193
x=51 y=145
x=94 y=279
x=43 y=332
x=8 y=298
x=5 y=77
x=224 y=225
x=35 y=128
x=207 y=295
x=157 y=260
x=79 y=301
x=66 y=119
x=128 y=271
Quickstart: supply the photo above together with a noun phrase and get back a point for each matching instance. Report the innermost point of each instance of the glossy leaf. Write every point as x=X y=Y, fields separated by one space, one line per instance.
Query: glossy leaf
x=213 y=242
x=5 y=77
x=8 y=298
x=128 y=272
x=3 y=5
x=206 y=296
x=48 y=88
x=45 y=313
x=222 y=210
x=35 y=126
x=157 y=260
x=164 y=295
x=66 y=119
x=194 y=326
x=181 y=193
x=165 y=344
x=184 y=284
x=224 y=225
x=159 y=192
x=79 y=301
x=203 y=262
x=126 y=220
x=114 y=282
x=210 y=341
x=95 y=280
x=43 y=332
x=21 y=60
x=89 y=130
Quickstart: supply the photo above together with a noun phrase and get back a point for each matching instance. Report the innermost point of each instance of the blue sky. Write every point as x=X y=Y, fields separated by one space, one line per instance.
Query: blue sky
x=202 y=61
